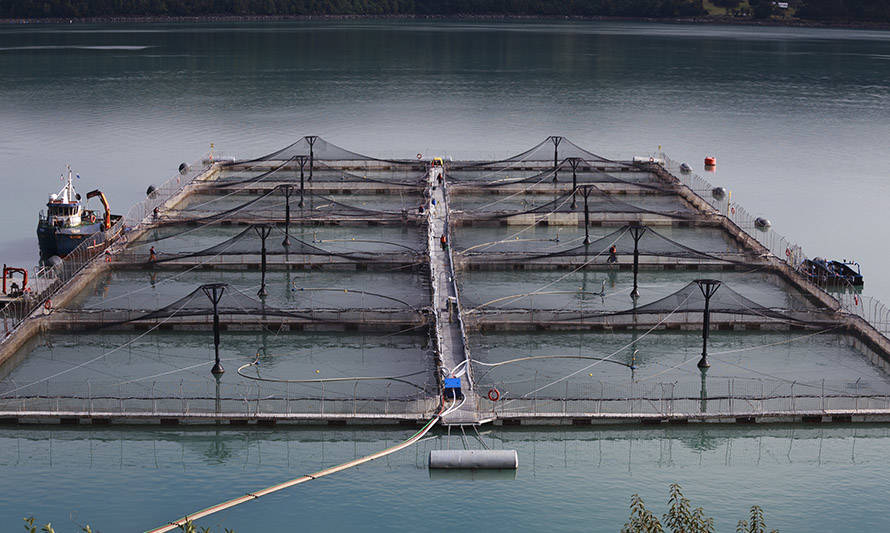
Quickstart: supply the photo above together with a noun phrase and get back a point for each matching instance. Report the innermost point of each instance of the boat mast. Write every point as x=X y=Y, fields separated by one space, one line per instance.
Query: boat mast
x=69 y=189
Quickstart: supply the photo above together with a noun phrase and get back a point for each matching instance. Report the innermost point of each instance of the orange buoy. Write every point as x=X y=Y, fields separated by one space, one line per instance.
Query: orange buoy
x=710 y=161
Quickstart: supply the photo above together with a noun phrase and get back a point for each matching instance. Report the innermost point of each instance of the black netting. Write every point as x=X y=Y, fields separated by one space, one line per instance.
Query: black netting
x=320 y=150
x=585 y=173
x=289 y=173
x=250 y=242
x=573 y=202
x=231 y=302
x=313 y=304
x=553 y=148
x=725 y=300
x=255 y=179
x=272 y=207
x=651 y=243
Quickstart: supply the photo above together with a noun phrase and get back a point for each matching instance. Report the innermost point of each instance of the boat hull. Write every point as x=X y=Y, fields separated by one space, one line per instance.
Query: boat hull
x=62 y=241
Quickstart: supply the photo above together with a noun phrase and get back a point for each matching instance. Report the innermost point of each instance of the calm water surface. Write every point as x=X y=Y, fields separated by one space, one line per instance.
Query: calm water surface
x=129 y=479
x=798 y=119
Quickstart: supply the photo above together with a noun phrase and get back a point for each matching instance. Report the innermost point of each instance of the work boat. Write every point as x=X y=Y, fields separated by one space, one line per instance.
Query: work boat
x=67 y=223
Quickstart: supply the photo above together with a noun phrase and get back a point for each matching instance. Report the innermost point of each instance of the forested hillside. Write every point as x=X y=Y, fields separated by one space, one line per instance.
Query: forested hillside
x=829 y=10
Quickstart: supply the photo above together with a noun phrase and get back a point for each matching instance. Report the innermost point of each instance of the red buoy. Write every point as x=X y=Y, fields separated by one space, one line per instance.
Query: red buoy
x=710 y=161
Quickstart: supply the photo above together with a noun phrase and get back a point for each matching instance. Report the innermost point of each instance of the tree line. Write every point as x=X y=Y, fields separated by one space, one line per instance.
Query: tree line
x=188 y=8
x=826 y=10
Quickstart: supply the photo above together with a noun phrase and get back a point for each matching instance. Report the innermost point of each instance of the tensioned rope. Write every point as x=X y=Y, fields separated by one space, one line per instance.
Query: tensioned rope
x=608 y=357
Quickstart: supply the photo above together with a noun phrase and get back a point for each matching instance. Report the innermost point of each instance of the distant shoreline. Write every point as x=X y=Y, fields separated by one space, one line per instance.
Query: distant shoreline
x=715 y=20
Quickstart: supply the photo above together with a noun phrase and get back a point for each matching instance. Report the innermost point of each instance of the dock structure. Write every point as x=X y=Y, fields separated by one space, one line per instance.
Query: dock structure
x=316 y=240
x=453 y=356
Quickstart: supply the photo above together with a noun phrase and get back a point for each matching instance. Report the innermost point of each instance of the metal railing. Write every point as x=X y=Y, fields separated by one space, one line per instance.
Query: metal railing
x=206 y=399
x=869 y=308
x=49 y=280
x=718 y=397
x=777 y=244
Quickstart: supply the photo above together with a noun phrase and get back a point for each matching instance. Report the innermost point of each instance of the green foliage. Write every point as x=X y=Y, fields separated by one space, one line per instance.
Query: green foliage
x=31 y=528
x=641 y=519
x=189 y=527
x=682 y=518
x=48 y=528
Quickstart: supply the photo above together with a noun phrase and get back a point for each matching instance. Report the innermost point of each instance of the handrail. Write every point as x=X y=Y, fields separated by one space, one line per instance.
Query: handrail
x=51 y=280
x=873 y=311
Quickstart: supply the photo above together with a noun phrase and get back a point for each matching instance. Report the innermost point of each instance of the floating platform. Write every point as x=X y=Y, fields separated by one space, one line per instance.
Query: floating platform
x=435 y=217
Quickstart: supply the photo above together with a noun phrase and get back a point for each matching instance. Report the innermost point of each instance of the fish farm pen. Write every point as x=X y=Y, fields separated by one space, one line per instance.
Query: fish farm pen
x=318 y=285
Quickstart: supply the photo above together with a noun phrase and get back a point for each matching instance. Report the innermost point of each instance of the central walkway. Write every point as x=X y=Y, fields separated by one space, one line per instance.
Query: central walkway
x=450 y=338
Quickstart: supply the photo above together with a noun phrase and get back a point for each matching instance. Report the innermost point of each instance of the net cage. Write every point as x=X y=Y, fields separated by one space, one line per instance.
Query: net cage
x=291 y=171
x=637 y=364
x=355 y=246
x=552 y=149
x=285 y=370
x=490 y=293
x=482 y=208
x=276 y=206
x=704 y=245
x=145 y=291
x=568 y=173
x=317 y=307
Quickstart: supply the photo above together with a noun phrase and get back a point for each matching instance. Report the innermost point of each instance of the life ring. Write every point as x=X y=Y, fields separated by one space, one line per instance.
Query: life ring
x=732 y=209
x=48 y=305
x=493 y=394
x=651 y=159
x=788 y=252
x=855 y=300
x=92 y=218
x=419 y=156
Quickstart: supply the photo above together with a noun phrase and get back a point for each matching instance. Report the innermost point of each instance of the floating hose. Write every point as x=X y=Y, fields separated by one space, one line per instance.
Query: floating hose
x=176 y=524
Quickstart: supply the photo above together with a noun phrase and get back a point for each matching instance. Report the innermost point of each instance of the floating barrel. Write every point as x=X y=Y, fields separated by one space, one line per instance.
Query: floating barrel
x=183 y=169
x=474 y=459
x=762 y=223
x=150 y=191
x=710 y=161
x=718 y=193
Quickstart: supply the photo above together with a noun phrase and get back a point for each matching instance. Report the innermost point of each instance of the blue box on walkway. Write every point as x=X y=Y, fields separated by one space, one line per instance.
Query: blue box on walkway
x=452 y=388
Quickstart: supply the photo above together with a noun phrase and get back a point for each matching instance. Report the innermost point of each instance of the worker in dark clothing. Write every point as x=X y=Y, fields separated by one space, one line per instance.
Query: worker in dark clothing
x=152 y=255
x=444 y=241
x=613 y=254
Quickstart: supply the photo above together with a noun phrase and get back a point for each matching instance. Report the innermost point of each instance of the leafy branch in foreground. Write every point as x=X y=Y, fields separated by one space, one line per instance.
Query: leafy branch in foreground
x=188 y=527
x=682 y=518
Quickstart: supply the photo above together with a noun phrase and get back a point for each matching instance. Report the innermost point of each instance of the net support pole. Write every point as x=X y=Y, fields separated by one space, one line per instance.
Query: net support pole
x=574 y=161
x=636 y=232
x=287 y=193
x=214 y=292
x=555 y=139
x=218 y=404
x=708 y=287
x=302 y=160
x=263 y=231
x=311 y=140
x=585 y=190
x=704 y=389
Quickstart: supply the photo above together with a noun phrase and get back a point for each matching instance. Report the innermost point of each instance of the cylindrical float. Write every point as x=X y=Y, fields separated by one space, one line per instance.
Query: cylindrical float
x=474 y=459
x=710 y=161
x=762 y=223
